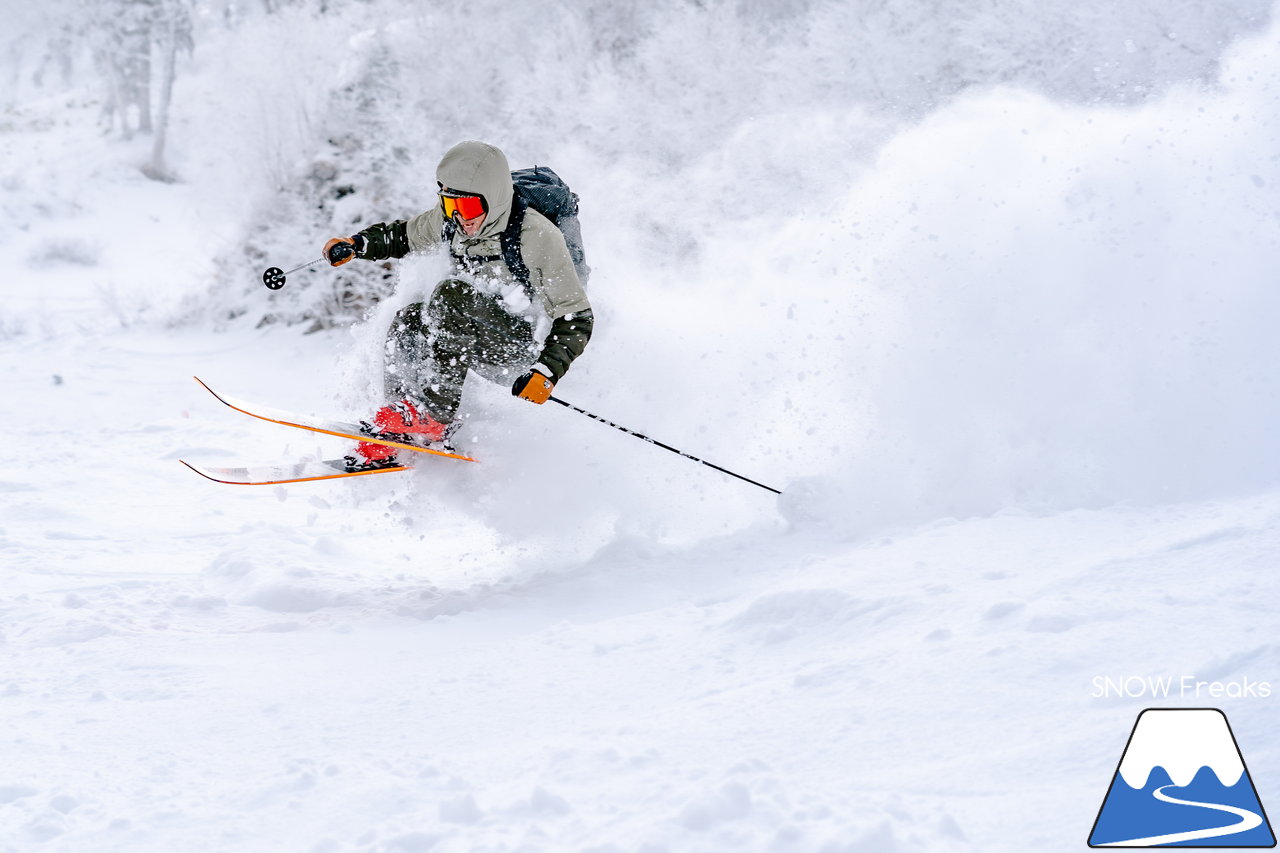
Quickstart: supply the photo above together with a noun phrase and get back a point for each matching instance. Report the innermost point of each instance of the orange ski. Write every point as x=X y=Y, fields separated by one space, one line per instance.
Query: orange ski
x=327 y=426
x=302 y=472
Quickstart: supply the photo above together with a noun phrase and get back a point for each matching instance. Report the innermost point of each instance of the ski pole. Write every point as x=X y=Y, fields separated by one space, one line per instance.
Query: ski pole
x=663 y=446
x=273 y=277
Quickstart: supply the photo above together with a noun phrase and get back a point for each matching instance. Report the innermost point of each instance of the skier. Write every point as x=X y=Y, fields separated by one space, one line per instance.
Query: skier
x=486 y=316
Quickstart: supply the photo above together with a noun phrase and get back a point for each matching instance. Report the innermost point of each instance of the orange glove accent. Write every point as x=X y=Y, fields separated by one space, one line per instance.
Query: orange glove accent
x=534 y=387
x=345 y=251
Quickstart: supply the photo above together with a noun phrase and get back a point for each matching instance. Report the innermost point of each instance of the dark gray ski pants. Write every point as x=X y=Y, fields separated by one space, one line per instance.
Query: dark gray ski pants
x=432 y=345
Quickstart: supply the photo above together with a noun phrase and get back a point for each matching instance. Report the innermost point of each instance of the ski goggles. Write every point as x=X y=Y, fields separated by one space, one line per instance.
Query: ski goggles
x=466 y=206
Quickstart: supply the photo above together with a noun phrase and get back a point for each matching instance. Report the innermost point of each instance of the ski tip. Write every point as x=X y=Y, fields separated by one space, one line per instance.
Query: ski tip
x=216 y=395
x=197 y=470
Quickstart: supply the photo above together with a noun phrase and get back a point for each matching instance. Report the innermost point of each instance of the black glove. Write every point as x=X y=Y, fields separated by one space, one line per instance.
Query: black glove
x=339 y=250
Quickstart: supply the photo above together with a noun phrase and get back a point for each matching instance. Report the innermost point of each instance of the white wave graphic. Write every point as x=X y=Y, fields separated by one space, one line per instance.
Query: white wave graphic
x=1248 y=820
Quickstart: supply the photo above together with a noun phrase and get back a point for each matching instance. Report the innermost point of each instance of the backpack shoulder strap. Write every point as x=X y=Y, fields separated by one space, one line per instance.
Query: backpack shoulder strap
x=510 y=240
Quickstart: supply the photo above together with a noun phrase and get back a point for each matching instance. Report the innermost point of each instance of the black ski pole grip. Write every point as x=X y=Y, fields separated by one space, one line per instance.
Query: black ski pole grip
x=340 y=252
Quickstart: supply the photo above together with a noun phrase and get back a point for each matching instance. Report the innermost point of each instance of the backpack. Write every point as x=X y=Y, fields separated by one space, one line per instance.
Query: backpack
x=546 y=192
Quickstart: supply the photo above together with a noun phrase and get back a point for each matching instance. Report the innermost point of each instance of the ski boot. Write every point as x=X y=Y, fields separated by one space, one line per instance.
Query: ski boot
x=400 y=421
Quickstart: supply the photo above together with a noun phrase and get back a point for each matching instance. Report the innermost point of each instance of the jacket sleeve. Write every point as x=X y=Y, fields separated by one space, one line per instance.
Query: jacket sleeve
x=553 y=279
x=566 y=341
x=384 y=240
x=399 y=238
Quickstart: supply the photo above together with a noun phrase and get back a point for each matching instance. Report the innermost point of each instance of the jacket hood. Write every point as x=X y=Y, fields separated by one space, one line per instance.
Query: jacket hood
x=477 y=167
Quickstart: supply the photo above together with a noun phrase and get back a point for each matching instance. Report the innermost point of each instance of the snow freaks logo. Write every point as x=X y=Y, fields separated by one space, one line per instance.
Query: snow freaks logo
x=1181 y=782
x=1185 y=687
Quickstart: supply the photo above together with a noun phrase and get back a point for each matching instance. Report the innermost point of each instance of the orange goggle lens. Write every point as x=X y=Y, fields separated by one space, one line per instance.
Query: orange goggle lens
x=466 y=206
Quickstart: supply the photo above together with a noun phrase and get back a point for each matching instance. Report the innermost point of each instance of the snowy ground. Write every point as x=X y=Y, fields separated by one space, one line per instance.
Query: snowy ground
x=651 y=656
x=318 y=667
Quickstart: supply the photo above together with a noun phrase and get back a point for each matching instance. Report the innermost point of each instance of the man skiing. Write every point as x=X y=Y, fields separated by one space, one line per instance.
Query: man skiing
x=512 y=272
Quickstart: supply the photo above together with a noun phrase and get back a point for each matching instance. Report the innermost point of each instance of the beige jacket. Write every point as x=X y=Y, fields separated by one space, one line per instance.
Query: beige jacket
x=476 y=167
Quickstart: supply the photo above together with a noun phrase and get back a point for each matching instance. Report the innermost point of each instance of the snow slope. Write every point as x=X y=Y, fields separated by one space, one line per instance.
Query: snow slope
x=321 y=668
x=1011 y=362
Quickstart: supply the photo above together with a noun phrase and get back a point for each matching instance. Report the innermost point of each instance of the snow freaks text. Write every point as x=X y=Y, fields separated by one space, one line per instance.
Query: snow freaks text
x=1182 y=687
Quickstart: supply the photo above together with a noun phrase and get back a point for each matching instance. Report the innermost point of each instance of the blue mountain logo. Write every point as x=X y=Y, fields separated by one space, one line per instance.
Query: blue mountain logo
x=1182 y=782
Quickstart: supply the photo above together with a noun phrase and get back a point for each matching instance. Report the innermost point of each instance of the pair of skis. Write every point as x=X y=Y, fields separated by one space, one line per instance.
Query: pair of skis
x=302 y=472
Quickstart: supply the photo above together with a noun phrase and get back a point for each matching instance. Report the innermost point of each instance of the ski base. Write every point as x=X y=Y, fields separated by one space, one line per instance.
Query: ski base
x=301 y=472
